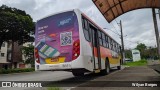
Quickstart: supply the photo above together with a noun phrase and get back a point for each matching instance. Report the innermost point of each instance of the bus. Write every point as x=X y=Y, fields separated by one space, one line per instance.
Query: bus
x=70 y=41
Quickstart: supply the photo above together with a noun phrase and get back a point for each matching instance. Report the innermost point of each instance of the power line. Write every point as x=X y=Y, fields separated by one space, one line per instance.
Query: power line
x=116 y=22
x=130 y=41
x=114 y=27
x=112 y=31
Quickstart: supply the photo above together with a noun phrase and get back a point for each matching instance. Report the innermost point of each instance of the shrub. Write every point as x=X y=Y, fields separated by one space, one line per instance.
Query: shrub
x=17 y=70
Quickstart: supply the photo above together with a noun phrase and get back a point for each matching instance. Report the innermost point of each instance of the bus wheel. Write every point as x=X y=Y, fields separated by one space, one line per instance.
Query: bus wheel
x=107 y=68
x=119 y=67
x=78 y=74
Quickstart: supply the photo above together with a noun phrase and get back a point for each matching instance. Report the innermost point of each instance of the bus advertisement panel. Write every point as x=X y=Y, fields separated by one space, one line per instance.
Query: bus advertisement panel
x=54 y=38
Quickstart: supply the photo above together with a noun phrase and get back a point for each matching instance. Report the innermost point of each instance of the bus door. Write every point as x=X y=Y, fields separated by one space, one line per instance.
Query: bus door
x=95 y=48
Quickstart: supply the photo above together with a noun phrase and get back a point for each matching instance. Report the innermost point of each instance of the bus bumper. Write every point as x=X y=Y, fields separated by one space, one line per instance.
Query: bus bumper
x=79 y=63
x=60 y=66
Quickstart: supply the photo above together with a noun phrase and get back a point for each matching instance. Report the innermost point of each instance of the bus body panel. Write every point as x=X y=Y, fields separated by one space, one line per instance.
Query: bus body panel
x=55 y=36
x=113 y=57
x=85 y=60
x=86 y=51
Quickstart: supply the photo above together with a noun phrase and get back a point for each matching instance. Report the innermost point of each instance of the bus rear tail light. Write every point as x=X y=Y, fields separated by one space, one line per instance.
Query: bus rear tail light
x=76 y=49
x=37 y=56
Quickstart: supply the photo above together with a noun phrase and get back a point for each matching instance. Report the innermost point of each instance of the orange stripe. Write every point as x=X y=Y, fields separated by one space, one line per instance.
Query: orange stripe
x=105 y=52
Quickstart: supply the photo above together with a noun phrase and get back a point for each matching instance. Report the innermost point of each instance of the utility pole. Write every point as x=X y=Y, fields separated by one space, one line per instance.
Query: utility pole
x=123 y=54
x=156 y=29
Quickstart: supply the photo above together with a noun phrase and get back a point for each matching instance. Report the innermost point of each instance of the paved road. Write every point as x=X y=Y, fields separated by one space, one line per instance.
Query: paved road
x=47 y=76
x=122 y=77
x=155 y=67
x=35 y=76
x=94 y=81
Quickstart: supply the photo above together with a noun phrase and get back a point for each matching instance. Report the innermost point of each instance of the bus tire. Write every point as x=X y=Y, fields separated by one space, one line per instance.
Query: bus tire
x=119 y=67
x=107 y=68
x=77 y=74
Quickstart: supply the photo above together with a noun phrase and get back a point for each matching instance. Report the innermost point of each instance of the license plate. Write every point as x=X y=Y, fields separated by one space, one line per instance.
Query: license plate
x=54 y=60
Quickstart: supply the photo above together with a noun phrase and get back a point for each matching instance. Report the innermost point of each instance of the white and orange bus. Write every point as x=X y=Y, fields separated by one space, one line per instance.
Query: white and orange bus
x=70 y=41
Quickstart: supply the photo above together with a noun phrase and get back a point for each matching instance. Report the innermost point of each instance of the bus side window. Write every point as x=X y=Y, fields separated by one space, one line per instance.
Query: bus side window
x=117 y=48
x=114 y=46
x=103 y=39
x=120 y=49
x=85 y=24
x=86 y=29
x=107 y=44
x=94 y=36
x=111 y=44
x=100 y=37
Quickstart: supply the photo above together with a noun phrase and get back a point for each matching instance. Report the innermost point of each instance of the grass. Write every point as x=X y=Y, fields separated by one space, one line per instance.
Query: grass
x=136 y=63
x=53 y=88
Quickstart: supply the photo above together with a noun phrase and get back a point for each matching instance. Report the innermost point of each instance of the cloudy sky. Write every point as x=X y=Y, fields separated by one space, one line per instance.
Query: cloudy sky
x=137 y=25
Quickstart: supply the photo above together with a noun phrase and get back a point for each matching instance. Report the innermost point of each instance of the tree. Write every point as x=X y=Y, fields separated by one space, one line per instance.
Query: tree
x=128 y=54
x=142 y=47
x=15 y=25
x=28 y=52
x=151 y=53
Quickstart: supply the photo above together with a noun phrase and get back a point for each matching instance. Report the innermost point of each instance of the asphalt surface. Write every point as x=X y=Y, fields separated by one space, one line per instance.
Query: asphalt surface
x=51 y=76
x=116 y=80
x=123 y=80
x=155 y=67
x=35 y=76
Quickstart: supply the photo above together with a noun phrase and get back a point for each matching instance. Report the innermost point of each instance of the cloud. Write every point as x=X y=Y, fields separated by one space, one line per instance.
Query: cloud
x=137 y=24
x=139 y=28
